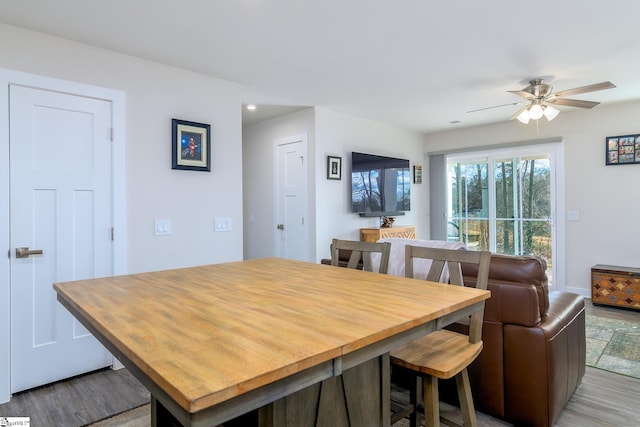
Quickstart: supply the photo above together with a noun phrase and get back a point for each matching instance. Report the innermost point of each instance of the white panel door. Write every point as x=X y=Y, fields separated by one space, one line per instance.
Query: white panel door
x=61 y=204
x=291 y=171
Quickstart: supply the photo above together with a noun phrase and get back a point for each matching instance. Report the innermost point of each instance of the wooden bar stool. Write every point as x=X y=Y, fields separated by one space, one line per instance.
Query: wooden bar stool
x=361 y=250
x=443 y=354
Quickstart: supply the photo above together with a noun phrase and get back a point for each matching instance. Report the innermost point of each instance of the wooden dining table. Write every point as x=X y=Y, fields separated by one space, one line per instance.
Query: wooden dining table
x=296 y=343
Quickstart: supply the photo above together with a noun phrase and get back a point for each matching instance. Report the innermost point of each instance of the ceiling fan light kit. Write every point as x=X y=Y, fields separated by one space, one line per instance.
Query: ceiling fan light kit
x=550 y=113
x=536 y=112
x=524 y=116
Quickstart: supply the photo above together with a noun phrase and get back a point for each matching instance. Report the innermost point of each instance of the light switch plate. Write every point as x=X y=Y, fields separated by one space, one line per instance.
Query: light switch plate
x=162 y=227
x=573 y=215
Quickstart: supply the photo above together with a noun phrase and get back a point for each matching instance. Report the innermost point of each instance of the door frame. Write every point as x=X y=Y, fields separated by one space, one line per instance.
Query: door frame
x=117 y=99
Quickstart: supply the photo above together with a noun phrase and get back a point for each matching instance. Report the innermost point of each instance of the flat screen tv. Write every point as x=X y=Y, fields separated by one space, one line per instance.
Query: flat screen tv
x=380 y=186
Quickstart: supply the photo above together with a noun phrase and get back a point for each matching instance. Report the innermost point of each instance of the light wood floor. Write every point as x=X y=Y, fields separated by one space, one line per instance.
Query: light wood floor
x=602 y=399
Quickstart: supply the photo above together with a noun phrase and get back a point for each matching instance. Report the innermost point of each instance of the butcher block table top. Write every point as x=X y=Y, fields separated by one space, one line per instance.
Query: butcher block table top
x=207 y=334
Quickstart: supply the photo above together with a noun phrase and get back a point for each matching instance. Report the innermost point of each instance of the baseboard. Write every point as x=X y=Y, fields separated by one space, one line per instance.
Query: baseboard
x=580 y=291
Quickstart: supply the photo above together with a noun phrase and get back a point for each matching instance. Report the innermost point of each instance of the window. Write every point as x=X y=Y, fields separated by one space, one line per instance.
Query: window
x=503 y=201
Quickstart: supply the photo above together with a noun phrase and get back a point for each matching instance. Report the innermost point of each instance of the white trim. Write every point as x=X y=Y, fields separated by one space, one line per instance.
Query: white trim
x=506 y=145
x=117 y=99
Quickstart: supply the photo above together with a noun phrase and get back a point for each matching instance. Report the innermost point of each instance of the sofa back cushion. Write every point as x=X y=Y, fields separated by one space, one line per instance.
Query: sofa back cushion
x=420 y=266
x=519 y=288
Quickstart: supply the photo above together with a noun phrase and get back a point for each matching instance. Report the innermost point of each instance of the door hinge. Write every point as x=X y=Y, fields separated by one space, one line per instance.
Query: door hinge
x=112 y=134
x=112 y=234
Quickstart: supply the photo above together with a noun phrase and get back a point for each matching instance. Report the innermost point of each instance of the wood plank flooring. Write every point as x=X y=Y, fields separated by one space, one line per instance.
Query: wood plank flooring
x=78 y=401
x=603 y=398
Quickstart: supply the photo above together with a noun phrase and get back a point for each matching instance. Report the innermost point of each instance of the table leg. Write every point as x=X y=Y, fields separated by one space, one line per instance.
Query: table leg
x=160 y=416
x=360 y=396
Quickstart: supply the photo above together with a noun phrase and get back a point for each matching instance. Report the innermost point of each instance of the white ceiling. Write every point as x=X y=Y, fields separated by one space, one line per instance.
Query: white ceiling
x=419 y=64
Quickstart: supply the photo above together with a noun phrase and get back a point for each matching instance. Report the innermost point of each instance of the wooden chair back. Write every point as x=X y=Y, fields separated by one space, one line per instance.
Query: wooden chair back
x=361 y=250
x=452 y=259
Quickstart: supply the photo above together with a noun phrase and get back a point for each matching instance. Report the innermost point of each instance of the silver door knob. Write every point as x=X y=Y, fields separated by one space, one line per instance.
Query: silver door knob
x=26 y=252
x=280 y=226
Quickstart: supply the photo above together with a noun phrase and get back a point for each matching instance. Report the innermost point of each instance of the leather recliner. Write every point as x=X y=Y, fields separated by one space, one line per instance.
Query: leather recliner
x=534 y=345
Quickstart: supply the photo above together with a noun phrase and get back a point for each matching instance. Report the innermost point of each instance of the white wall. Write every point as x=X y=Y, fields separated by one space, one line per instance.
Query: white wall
x=259 y=179
x=329 y=133
x=154 y=95
x=607 y=197
x=338 y=135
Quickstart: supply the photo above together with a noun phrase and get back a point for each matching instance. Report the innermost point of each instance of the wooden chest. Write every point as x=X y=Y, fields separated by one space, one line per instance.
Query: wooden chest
x=375 y=234
x=615 y=286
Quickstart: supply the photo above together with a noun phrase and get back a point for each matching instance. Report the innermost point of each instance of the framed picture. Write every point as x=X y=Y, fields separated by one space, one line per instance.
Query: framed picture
x=190 y=146
x=622 y=150
x=417 y=174
x=334 y=167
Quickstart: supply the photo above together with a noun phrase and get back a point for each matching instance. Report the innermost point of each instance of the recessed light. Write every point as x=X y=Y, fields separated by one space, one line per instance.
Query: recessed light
x=251 y=107
x=455 y=122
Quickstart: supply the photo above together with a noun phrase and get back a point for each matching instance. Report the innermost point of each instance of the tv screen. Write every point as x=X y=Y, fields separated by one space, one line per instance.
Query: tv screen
x=379 y=184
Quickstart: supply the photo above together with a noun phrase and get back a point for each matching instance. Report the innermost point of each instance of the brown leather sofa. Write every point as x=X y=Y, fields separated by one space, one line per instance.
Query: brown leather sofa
x=534 y=350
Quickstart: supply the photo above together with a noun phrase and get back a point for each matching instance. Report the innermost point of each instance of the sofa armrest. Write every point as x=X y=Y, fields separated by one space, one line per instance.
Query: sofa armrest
x=544 y=364
x=343 y=259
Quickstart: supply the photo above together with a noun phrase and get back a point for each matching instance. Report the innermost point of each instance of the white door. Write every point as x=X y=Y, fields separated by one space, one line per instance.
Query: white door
x=60 y=204
x=291 y=170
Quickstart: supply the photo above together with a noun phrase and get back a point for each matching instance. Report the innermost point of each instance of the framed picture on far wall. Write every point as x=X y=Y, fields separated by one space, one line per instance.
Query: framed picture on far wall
x=190 y=145
x=622 y=150
x=417 y=174
x=334 y=167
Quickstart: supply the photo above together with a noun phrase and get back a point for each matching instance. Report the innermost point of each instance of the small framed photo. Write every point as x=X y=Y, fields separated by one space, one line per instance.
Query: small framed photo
x=622 y=150
x=191 y=146
x=417 y=174
x=334 y=167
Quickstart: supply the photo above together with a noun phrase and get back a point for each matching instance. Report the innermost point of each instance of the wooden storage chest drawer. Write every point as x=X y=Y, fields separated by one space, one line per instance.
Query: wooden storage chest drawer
x=615 y=286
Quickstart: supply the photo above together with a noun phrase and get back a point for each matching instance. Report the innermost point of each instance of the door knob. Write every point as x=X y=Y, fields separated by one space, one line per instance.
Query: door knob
x=25 y=252
x=280 y=226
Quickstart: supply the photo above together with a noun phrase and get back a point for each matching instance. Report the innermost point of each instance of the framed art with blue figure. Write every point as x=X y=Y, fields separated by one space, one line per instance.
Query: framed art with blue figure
x=191 y=145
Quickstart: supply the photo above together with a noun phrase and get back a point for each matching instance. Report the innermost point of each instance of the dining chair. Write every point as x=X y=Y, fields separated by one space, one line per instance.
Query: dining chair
x=442 y=354
x=361 y=250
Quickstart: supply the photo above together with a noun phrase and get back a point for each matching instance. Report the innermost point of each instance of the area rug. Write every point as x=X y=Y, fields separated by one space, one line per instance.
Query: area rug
x=613 y=345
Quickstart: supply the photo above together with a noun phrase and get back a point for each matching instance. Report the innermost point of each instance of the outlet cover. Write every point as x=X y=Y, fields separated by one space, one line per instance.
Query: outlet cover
x=223 y=224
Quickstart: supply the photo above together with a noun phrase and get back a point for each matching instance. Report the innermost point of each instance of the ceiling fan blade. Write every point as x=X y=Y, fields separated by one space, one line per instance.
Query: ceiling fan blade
x=495 y=106
x=585 y=89
x=522 y=93
x=573 y=102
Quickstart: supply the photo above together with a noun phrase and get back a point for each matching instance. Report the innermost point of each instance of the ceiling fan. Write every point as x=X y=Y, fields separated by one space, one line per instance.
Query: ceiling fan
x=539 y=97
